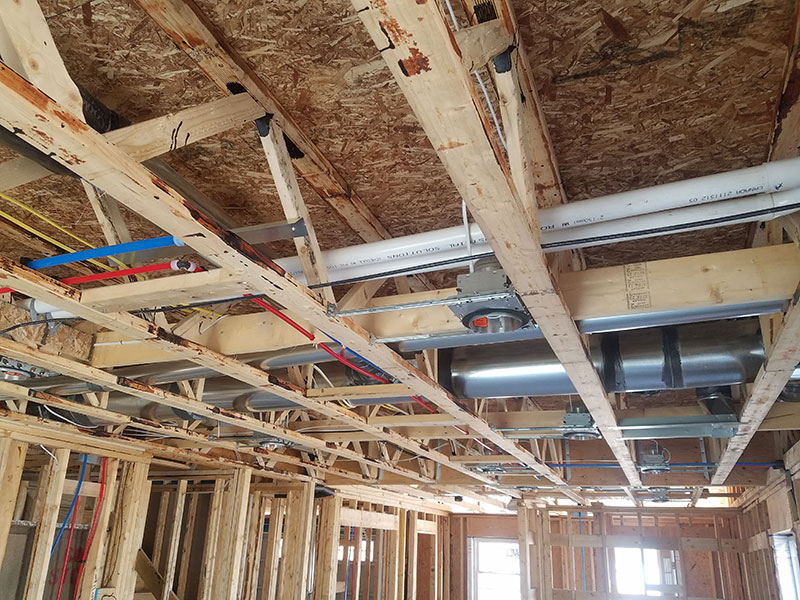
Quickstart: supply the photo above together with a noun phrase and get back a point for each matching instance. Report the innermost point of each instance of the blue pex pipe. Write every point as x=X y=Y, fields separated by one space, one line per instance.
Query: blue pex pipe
x=62 y=259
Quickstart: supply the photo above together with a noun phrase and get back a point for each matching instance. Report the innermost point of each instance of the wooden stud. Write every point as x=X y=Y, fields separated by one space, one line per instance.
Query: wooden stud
x=127 y=530
x=12 y=462
x=173 y=539
x=212 y=536
x=231 y=541
x=93 y=574
x=48 y=502
x=296 y=549
x=269 y=585
x=161 y=527
x=358 y=559
x=327 y=548
x=411 y=558
x=255 y=542
x=186 y=546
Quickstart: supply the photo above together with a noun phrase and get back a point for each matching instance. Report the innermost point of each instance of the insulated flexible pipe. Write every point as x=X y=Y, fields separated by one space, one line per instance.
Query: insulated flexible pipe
x=691 y=356
x=687 y=356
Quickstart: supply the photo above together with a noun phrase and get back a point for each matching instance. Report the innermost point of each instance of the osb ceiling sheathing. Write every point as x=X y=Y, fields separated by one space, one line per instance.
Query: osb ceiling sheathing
x=635 y=94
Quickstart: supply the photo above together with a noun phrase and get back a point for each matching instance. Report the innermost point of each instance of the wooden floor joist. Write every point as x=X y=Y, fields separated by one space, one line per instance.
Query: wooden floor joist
x=32 y=113
x=423 y=57
x=99 y=377
x=783 y=349
x=344 y=488
x=770 y=382
x=193 y=32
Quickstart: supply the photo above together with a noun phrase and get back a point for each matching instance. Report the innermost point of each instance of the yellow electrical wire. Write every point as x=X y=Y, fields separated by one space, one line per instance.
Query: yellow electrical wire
x=46 y=237
x=55 y=242
x=52 y=223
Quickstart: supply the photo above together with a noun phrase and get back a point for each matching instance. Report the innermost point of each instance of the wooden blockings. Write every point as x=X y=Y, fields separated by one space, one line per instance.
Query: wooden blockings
x=351 y=517
x=693 y=282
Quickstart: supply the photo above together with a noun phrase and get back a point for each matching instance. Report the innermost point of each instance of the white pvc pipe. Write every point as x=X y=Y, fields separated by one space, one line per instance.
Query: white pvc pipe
x=373 y=257
x=687 y=206
x=413 y=251
x=692 y=218
x=769 y=177
x=43 y=308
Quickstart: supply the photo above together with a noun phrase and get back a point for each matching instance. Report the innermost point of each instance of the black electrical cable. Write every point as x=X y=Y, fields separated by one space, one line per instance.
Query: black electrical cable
x=39 y=322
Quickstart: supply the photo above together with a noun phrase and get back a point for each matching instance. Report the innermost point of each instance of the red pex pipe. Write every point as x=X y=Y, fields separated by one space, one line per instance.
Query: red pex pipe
x=109 y=275
x=121 y=273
